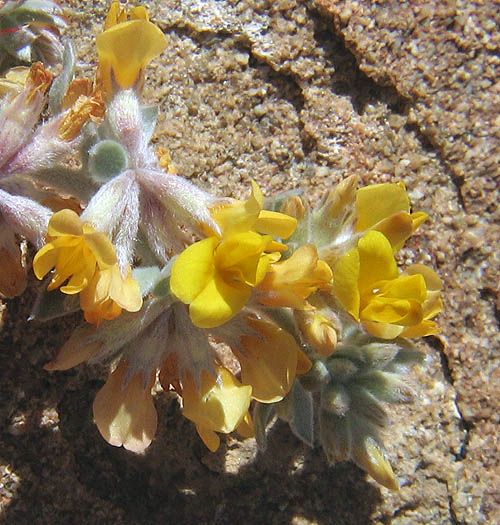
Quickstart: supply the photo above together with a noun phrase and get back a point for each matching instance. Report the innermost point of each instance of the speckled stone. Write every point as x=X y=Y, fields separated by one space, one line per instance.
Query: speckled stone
x=296 y=94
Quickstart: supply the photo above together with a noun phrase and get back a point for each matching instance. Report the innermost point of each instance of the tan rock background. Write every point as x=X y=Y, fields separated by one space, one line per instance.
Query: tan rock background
x=297 y=94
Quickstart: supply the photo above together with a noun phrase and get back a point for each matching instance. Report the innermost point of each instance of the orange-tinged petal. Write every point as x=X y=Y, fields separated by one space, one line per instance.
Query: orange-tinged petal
x=193 y=269
x=125 y=413
x=292 y=281
x=102 y=248
x=379 y=201
x=397 y=228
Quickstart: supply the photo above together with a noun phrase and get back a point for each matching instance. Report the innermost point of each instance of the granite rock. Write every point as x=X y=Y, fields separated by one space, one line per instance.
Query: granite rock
x=295 y=94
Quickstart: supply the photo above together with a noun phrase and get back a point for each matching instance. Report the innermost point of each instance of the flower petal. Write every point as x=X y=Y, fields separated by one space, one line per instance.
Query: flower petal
x=240 y=216
x=193 y=269
x=218 y=302
x=127 y=48
x=218 y=405
x=423 y=329
x=397 y=228
x=45 y=259
x=275 y=224
x=345 y=281
x=268 y=362
x=125 y=413
x=383 y=330
x=65 y=222
x=379 y=201
x=376 y=260
x=394 y=311
x=102 y=248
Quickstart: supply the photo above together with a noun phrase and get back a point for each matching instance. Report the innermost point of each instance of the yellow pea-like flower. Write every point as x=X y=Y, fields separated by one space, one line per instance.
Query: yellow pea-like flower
x=218 y=404
x=216 y=276
x=126 y=46
x=367 y=282
x=84 y=261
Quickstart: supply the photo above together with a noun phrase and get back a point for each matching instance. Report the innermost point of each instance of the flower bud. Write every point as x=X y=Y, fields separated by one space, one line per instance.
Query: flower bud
x=318 y=331
x=294 y=207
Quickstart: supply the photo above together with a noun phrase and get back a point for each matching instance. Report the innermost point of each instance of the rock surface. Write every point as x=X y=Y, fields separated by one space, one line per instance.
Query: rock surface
x=296 y=94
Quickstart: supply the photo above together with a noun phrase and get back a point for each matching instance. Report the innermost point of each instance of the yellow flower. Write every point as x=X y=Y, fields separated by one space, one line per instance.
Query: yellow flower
x=269 y=361
x=124 y=410
x=220 y=404
x=107 y=294
x=368 y=284
x=243 y=216
x=127 y=45
x=216 y=276
x=386 y=208
x=75 y=250
x=87 y=260
x=290 y=282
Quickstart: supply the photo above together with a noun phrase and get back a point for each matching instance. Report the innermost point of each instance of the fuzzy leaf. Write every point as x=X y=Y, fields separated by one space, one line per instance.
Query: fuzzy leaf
x=386 y=386
x=149 y=120
x=262 y=414
x=63 y=80
x=302 y=414
x=51 y=305
x=147 y=277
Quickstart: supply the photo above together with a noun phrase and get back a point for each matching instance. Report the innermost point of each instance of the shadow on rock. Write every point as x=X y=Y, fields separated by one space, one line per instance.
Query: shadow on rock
x=60 y=470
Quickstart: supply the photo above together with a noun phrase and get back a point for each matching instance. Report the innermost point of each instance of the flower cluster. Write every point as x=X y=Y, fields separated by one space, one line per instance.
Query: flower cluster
x=243 y=308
